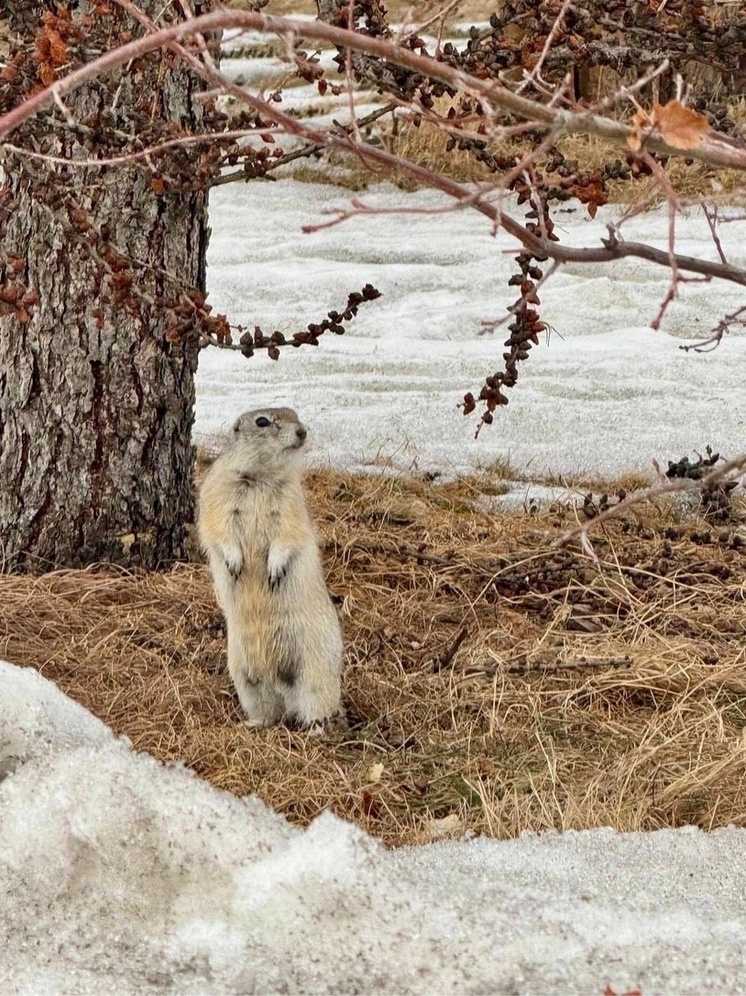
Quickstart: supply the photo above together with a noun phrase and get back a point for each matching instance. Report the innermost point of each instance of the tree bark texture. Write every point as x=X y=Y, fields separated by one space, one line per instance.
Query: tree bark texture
x=98 y=346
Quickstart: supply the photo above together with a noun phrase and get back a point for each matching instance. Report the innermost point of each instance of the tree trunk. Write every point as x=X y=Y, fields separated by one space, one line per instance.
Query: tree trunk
x=99 y=274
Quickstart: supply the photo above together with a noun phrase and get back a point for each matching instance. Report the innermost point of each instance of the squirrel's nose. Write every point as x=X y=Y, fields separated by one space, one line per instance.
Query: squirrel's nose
x=301 y=433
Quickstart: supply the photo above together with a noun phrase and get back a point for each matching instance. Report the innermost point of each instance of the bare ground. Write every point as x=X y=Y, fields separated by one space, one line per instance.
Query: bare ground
x=493 y=683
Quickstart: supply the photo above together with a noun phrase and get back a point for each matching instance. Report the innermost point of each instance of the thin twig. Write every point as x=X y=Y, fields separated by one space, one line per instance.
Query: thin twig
x=715 y=148
x=446 y=658
x=712 y=221
x=725 y=470
x=152 y=150
x=536 y=71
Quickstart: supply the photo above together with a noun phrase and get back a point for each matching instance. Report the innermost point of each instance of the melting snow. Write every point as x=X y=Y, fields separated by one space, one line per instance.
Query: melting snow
x=121 y=875
x=604 y=395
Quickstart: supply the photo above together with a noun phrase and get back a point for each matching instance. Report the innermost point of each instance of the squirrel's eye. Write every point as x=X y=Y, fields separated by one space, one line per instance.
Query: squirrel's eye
x=262 y=422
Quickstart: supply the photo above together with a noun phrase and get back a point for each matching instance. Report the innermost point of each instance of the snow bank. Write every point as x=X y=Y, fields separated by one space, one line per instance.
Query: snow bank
x=121 y=875
x=605 y=395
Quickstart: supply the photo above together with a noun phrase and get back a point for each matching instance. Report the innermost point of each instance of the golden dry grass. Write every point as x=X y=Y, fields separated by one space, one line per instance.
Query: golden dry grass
x=426 y=146
x=492 y=683
x=399 y=10
x=689 y=178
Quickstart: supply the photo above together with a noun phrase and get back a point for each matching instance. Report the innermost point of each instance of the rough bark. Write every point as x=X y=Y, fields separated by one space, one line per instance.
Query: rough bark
x=97 y=368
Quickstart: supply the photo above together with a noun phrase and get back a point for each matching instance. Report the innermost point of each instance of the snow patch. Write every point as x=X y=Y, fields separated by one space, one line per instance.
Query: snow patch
x=120 y=874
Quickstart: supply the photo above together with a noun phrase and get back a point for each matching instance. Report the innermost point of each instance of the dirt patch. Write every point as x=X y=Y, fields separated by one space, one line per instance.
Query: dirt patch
x=493 y=683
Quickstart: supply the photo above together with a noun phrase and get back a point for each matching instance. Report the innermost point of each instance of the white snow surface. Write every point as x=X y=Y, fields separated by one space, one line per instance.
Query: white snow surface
x=121 y=875
x=605 y=395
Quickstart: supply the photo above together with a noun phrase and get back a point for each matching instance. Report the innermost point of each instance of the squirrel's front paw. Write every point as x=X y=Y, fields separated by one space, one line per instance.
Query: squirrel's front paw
x=278 y=565
x=233 y=559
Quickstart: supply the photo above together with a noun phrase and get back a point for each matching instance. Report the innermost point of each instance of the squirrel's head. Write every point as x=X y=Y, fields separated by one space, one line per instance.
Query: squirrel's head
x=274 y=435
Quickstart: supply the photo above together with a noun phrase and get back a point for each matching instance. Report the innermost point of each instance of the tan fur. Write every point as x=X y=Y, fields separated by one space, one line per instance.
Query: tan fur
x=284 y=640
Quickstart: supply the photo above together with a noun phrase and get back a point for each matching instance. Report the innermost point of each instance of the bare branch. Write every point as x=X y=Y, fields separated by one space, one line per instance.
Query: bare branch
x=129 y=157
x=613 y=248
x=536 y=71
x=737 y=317
x=716 y=149
x=358 y=208
x=725 y=472
x=712 y=221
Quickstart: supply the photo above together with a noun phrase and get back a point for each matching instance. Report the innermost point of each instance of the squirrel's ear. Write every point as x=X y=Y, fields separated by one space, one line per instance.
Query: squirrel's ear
x=237 y=426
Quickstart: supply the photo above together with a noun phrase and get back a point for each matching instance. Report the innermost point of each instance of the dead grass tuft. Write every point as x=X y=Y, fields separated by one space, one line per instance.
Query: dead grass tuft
x=426 y=146
x=689 y=178
x=493 y=684
x=399 y=10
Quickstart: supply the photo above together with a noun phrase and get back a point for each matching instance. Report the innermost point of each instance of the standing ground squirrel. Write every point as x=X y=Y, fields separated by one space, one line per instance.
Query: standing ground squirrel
x=284 y=640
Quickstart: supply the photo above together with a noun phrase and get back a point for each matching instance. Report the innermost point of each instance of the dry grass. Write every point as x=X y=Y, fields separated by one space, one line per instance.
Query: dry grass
x=492 y=683
x=503 y=469
x=426 y=146
x=399 y=10
x=690 y=179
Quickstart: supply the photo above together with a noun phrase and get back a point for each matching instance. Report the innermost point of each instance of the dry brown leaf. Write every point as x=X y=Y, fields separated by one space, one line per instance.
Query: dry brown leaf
x=681 y=127
x=642 y=125
x=447 y=826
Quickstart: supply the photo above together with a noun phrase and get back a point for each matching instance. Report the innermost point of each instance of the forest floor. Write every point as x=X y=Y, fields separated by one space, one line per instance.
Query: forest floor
x=493 y=682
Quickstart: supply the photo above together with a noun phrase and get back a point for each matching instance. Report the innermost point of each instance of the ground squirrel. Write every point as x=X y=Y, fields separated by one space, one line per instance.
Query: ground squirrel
x=284 y=640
